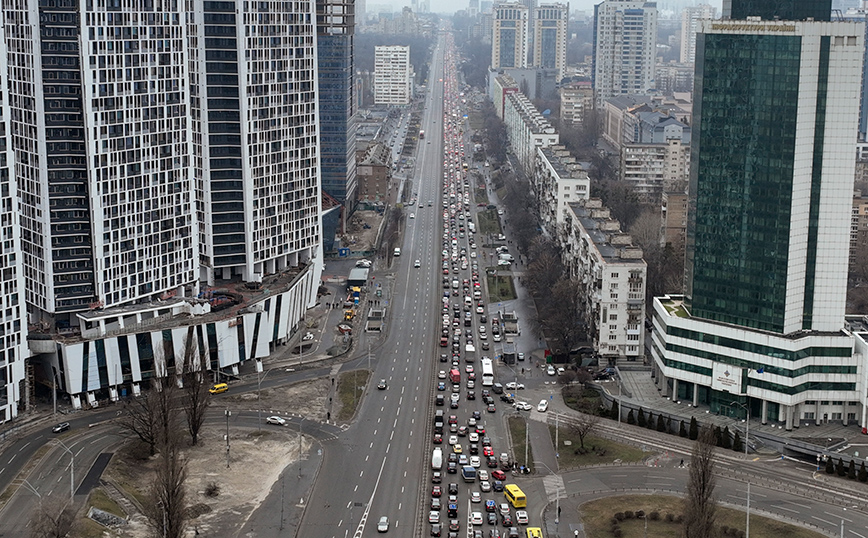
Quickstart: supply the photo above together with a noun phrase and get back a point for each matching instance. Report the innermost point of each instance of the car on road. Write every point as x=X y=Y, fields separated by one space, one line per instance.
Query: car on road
x=512 y=385
x=498 y=475
x=456 y=448
x=453 y=439
x=417 y=263
x=412 y=215
x=474 y=461
x=551 y=370
x=492 y=520
x=506 y=520
x=491 y=408
x=435 y=530
x=523 y=406
x=476 y=518
x=436 y=491
x=503 y=508
x=62 y=427
x=277 y=421
x=497 y=485
x=521 y=517
x=543 y=406
x=383 y=524
x=474 y=437
x=482 y=474
x=475 y=497
x=454 y=525
x=485 y=486
x=433 y=516
x=490 y=506
x=435 y=504
x=381 y=385
x=438 y=439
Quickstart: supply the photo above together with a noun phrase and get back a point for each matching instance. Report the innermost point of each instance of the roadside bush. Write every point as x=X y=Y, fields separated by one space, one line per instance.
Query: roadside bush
x=863 y=473
x=654 y=516
x=617 y=533
x=682 y=430
x=630 y=418
x=679 y=518
x=851 y=470
x=670 y=518
x=212 y=489
x=640 y=514
x=641 y=420
x=740 y=534
x=619 y=516
x=629 y=514
x=725 y=530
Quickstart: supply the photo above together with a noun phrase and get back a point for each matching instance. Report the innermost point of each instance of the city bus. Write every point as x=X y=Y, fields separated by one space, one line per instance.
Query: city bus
x=515 y=495
x=487 y=372
x=534 y=532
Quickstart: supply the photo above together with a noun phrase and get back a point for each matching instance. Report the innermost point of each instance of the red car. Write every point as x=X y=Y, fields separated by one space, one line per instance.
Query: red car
x=487 y=451
x=498 y=475
x=438 y=439
x=436 y=491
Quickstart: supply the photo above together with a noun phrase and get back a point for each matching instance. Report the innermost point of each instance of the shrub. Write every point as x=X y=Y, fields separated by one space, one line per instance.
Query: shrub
x=630 y=418
x=654 y=516
x=613 y=521
x=628 y=514
x=640 y=514
x=725 y=529
x=619 y=516
x=679 y=518
x=740 y=534
x=830 y=466
x=615 y=411
x=617 y=533
x=641 y=420
x=670 y=518
x=725 y=441
x=851 y=470
x=863 y=473
x=651 y=423
x=682 y=430
x=661 y=424
x=693 y=433
x=736 y=443
x=212 y=489
x=840 y=468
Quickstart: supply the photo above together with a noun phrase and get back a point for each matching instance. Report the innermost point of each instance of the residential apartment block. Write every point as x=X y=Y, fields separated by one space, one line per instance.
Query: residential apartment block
x=690 y=17
x=558 y=180
x=761 y=323
x=577 y=102
x=550 y=23
x=625 y=48
x=527 y=128
x=393 y=75
x=509 y=42
x=612 y=273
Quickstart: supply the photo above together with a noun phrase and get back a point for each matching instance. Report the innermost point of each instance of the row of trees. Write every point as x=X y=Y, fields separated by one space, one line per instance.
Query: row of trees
x=159 y=418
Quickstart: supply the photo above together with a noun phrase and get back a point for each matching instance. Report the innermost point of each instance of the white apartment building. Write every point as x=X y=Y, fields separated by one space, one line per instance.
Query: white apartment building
x=393 y=75
x=654 y=168
x=625 y=48
x=558 y=180
x=612 y=273
x=257 y=153
x=550 y=37
x=104 y=161
x=509 y=37
x=527 y=129
x=13 y=347
x=690 y=17
x=577 y=101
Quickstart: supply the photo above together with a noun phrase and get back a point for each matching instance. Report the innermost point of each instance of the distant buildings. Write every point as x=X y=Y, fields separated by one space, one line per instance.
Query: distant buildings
x=558 y=180
x=577 y=101
x=612 y=274
x=509 y=44
x=550 y=37
x=690 y=17
x=761 y=324
x=393 y=75
x=625 y=48
x=375 y=173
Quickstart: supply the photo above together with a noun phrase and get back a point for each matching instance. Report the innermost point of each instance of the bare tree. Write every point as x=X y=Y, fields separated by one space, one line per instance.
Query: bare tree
x=699 y=504
x=584 y=424
x=196 y=396
x=562 y=316
x=140 y=419
x=55 y=519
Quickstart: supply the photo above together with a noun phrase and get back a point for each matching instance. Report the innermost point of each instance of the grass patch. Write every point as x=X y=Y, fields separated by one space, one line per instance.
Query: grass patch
x=480 y=196
x=597 y=516
x=518 y=433
x=500 y=288
x=125 y=470
x=98 y=499
x=677 y=310
x=488 y=222
x=581 y=399
x=88 y=528
x=351 y=387
x=599 y=450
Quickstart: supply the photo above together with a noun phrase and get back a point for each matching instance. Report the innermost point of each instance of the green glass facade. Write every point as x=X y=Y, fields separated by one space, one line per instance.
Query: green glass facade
x=742 y=178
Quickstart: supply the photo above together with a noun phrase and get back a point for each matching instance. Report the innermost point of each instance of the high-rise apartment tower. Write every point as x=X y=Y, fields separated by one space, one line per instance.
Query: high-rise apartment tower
x=550 y=37
x=509 y=43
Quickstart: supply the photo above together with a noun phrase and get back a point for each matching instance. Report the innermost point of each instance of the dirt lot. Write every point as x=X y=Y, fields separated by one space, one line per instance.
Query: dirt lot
x=243 y=486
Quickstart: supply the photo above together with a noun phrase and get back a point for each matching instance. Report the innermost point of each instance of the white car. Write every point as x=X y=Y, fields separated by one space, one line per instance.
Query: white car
x=417 y=264
x=453 y=439
x=512 y=385
x=522 y=406
x=550 y=370
x=476 y=518
x=483 y=474
x=442 y=374
x=412 y=215
x=474 y=437
x=497 y=337
x=485 y=486
x=521 y=517
x=475 y=461
x=433 y=517
x=560 y=370
x=475 y=497
x=480 y=310
x=383 y=524
x=543 y=406
x=277 y=421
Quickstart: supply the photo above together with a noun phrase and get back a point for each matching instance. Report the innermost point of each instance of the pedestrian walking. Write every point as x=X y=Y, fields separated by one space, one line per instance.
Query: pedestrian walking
x=682 y=463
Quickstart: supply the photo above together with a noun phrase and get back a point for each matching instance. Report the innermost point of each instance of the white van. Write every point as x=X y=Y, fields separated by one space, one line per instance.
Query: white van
x=437 y=459
x=397 y=252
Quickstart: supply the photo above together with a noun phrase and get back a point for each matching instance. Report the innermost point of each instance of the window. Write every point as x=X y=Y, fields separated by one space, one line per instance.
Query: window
x=809 y=415
x=836 y=416
x=614 y=275
x=613 y=337
x=613 y=317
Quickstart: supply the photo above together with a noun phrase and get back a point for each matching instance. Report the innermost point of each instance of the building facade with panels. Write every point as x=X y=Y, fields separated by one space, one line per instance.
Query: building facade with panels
x=612 y=274
x=393 y=75
x=762 y=321
x=101 y=130
x=14 y=392
x=625 y=48
x=258 y=172
x=558 y=180
x=337 y=104
x=527 y=129
x=577 y=102
x=690 y=17
x=510 y=36
x=550 y=37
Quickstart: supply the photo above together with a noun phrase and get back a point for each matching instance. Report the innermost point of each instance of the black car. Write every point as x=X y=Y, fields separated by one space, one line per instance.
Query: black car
x=436 y=477
x=508 y=399
x=497 y=485
x=492 y=518
x=435 y=530
x=474 y=449
x=506 y=520
x=451 y=467
x=62 y=427
x=440 y=400
x=453 y=488
x=471 y=395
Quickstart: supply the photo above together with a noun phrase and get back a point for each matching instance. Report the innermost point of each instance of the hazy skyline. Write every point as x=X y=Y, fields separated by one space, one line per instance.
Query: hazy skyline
x=451 y=6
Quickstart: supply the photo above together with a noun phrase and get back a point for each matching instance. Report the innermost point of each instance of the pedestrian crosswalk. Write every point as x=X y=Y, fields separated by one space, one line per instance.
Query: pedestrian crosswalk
x=554 y=485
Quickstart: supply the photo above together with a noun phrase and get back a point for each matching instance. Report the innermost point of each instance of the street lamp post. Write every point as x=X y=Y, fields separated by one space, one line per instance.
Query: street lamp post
x=228 y=414
x=71 y=469
x=259 y=379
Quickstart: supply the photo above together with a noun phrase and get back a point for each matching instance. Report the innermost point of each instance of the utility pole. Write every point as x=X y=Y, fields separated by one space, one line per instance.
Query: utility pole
x=71 y=470
x=299 y=446
x=228 y=414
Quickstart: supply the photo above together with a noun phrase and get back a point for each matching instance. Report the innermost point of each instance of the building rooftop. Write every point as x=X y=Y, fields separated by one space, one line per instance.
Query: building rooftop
x=564 y=163
x=605 y=232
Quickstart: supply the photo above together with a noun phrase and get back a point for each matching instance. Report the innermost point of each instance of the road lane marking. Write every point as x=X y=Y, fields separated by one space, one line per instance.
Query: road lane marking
x=839 y=517
x=785 y=508
x=824 y=521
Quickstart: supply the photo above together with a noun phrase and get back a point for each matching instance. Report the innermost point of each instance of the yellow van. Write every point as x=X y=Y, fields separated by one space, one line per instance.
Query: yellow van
x=534 y=532
x=219 y=388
